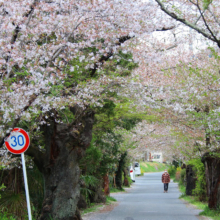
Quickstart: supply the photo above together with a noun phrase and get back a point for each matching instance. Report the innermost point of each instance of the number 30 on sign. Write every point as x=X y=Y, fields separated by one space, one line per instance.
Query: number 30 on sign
x=18 y=141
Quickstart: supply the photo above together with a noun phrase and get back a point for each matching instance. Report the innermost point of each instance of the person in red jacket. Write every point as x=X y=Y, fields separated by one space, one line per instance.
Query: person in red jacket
x=165 y=180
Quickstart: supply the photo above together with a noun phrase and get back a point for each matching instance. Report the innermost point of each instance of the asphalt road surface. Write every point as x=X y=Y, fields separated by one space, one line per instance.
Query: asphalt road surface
x=147 y=201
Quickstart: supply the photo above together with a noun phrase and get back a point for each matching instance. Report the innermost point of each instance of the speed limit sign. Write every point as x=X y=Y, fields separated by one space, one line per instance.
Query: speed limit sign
x=18 y=141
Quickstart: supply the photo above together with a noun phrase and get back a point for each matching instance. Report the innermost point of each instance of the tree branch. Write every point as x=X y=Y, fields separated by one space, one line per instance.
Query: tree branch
x=17 y=30
x=203 y=18
x=106 y=57
x=32 y=99
x=182 y=20
x=27 y=14
x=56 y=54
x=110 y=85
x=166 y=28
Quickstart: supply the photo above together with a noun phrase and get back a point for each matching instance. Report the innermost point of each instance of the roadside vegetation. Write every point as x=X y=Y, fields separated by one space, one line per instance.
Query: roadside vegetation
x=192 y=185
x=115 y=190
x=95 y=207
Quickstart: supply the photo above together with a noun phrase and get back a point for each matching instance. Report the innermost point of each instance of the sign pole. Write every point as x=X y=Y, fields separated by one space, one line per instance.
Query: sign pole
x=26 y=187
x=17 y=143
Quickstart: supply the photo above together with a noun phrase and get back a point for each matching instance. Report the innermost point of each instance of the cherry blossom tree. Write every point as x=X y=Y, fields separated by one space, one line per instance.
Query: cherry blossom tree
x=52 y=78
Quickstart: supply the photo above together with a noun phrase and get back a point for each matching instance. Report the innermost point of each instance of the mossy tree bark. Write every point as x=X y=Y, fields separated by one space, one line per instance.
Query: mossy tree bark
x=106 y=185
x=190 y=180
x=212 y=170
x=118 y=178
x=98 y=195
x=126 y=182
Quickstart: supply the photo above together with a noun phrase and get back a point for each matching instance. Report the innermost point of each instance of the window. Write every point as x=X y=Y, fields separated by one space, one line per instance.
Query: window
x=156 y=156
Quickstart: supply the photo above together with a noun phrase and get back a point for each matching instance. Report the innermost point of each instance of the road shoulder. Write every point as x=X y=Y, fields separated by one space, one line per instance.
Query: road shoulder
x=200 y=217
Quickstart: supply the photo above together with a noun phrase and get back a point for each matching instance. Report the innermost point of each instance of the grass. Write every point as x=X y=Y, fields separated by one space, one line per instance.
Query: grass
x=182 y=189
x=110 y=199
x=152 y=167
x=7 y=216
x=192 y=200
x=213 y=214
x=115 y=190
x=94 y=207
x=4 y=216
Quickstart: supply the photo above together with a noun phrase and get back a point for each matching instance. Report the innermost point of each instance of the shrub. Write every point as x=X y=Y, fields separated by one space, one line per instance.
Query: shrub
x=14 y=203
x=129 y=180
x=182 y=180
x=6 y=216
x=200 y=190
x=178 y=174
x=172 y=171
x=90 y=182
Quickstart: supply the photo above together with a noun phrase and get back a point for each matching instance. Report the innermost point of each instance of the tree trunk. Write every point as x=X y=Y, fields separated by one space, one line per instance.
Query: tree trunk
x=212 y=171
x=126 y=182
x=114 y=181
x=190 y=180
x=98 y=195
x=65 y=144
x=106 y=185
x=62 y=188
x=118 y=177
x=82 y=202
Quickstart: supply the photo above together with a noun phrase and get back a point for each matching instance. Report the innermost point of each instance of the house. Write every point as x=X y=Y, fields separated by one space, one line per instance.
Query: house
x=153 y=156
x=157 y=157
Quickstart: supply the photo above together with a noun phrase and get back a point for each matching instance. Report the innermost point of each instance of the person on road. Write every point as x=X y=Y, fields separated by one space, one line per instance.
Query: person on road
x=165 y=180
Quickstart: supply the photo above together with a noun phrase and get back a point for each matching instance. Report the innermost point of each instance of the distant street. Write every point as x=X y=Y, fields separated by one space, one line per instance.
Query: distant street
x=147 y=201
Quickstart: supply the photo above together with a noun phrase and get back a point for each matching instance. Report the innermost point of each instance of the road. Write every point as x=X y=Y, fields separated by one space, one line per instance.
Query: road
x=147 y=201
